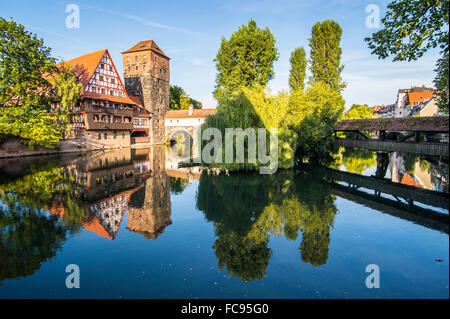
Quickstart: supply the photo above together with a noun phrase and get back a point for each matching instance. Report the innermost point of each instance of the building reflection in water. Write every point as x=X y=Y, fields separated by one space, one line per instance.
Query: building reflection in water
x=112 y=182
x=419 y=171
x=427 y=172
x=149 y=209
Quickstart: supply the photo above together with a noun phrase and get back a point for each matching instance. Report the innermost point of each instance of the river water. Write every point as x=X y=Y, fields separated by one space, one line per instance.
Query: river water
x=139 y=227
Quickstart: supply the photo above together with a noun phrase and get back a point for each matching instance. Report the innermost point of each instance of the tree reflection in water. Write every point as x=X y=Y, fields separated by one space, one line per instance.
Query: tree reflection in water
x=358 y=160
x=29 y=235
x=247 y=209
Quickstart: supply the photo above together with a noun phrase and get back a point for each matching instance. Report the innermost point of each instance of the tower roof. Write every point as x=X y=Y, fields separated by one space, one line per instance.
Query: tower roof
x=145 y=46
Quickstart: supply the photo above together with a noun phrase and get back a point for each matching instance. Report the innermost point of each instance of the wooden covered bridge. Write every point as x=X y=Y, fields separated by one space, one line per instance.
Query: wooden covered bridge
x=419 y=135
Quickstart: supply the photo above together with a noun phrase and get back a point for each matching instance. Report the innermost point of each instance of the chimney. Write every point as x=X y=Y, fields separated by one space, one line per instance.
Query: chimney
x=191 y=110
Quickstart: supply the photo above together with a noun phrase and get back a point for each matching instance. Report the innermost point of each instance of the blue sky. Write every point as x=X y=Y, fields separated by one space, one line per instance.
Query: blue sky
x=190 y=32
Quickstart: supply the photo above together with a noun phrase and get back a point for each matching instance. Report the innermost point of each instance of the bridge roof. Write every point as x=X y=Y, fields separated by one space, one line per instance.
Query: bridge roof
x=196 y=113
x=418 y=124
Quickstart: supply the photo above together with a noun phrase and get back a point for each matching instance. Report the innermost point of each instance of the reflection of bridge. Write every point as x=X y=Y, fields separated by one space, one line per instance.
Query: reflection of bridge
x=395 y=207
x=430 y=129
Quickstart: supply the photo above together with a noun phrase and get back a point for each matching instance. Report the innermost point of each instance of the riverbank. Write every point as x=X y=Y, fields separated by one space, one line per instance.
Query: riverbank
x=14 y=148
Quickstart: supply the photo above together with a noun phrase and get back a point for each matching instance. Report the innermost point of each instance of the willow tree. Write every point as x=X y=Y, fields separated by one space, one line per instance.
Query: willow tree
x=244 y=59
x=298 y=69
x=325 y=57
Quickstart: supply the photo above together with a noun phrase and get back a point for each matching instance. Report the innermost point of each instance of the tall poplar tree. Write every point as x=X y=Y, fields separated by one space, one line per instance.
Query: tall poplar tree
x=298 y=69
x=325 y=58
x=246 y=58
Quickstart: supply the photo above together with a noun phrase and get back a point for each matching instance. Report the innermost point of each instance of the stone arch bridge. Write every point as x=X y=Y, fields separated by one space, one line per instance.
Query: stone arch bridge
x=187 y=122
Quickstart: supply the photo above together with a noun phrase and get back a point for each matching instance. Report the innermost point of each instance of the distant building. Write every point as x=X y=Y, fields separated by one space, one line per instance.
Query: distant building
x=408 y=98
x=384 y=110
x=191 y=117
x=427 y=108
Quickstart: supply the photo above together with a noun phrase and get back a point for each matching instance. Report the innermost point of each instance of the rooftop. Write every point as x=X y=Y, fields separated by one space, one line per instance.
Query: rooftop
x=144 y=46
x=84 y=67
x=196 y=113
x=419 y=124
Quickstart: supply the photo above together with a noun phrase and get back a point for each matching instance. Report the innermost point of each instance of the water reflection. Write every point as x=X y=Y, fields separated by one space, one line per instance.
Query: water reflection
x=425 y=172
x=40 y=204
x=44 y=200
x=247 y=209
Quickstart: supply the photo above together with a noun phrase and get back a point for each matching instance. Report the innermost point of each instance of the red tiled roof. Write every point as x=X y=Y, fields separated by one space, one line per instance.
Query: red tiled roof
x=144 y=46
x=196 y=113
x=106 y=97
x=419 y=97
x=84 y=67
x=135 y=99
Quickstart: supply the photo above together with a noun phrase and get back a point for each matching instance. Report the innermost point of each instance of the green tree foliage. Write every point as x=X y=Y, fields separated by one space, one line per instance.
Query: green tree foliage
x=45 y=186
x=298 y=69
x=304 y=120
x=411 y=28
x=179 y=100
x=24 y=65
x=358 y=160
x=246 y=58
x=27 y=74
x=178 y=185
x=68 y=92
x=25 y=96
x=325 y=57
x=358 y=111
x=28 y=235
x=441 y=83
x=28 y=239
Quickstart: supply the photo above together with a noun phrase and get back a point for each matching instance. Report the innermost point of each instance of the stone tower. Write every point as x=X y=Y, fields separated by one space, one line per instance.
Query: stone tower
x=146 y=70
